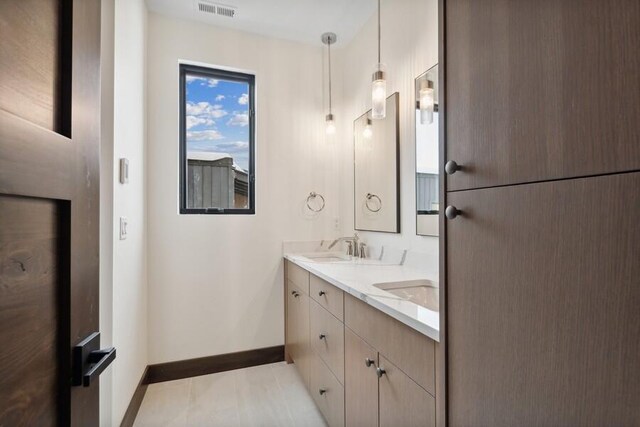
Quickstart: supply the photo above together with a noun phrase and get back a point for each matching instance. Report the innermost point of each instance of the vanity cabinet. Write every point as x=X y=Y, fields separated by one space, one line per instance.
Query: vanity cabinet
x=338 y=343
x=377 y=391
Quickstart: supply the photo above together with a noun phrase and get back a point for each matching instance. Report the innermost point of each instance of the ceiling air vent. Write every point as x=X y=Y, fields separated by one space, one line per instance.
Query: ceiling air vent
x=216 y=9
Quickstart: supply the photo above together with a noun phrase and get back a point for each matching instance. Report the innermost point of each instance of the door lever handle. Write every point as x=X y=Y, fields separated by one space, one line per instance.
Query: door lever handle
x=89 y=361
x=100 y=359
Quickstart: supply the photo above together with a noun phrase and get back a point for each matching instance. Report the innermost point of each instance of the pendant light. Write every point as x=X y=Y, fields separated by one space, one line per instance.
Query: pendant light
x=329 y=39
x=426 y=102
x=379 y=84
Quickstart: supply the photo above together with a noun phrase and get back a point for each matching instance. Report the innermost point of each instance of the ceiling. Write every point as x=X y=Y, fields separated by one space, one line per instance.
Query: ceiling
x=298 y=20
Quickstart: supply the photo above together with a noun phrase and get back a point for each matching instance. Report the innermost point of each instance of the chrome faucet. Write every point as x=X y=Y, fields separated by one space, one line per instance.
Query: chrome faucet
x=354 y=247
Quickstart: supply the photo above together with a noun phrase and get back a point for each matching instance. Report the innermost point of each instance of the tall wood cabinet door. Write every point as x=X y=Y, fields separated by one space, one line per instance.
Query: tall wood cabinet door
x=543 y=304
x=360 y=382
x=402 y=401
x=540 y=90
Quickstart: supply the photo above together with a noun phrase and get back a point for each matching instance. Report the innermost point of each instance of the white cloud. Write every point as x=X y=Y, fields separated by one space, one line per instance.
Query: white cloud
x=244 y=99
x=241 y=119
x=193 y=121
x=203 y=113
x=203 y=80
x=219 y=97
x=203 y=135
x=233 y=147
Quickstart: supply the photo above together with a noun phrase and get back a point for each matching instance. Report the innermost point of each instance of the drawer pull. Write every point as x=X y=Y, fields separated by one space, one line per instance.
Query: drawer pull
x=380 y=372
x=368 y=362
x=322 y=391
x=321 y=293
x=322 y=336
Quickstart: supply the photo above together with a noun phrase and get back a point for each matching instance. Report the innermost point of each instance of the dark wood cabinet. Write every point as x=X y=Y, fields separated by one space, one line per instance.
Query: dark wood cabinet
x=543 y=304
x=541 y=90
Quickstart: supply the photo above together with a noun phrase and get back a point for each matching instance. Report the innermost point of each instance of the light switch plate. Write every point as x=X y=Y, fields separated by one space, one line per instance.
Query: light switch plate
x=124 y=171
x=123 y=227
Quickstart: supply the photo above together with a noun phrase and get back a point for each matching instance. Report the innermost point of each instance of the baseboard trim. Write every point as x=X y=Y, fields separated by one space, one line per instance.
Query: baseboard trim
x=136 y=401
x=210 y=365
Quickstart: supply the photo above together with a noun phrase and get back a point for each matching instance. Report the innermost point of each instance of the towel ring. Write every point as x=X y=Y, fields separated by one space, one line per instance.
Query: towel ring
x=373 y=196
x=312 y=196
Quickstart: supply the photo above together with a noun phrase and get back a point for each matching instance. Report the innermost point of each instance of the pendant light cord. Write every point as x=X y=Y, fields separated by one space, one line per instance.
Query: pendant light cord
x=379 y=31
x=329 y=44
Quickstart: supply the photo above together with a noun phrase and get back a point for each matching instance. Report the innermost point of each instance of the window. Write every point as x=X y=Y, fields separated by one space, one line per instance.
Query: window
x=217 y=135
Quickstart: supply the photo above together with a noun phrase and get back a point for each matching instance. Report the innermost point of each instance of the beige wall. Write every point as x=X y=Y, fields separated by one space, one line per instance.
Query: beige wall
x=409 y=47
x=216 y=281
x=124 y=287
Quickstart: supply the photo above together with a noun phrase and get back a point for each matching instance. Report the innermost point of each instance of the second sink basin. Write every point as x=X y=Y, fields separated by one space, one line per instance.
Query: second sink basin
x=425 y=293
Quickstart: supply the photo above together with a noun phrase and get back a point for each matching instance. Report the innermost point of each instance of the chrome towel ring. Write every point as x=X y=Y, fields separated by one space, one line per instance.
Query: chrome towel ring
x=312 y=196
x=369 y=198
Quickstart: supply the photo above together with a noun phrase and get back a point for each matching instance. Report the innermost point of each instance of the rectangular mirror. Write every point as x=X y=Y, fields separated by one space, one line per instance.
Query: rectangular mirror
x=377 y=169
x=427 y=153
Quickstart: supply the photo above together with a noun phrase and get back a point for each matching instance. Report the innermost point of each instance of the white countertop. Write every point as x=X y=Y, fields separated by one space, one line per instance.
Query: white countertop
x=358 y=277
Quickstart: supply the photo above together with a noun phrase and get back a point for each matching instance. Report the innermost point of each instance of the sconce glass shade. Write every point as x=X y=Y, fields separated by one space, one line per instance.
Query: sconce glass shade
x=427 y=104
x=331 y=126
x=367 y=133
x=379 y=93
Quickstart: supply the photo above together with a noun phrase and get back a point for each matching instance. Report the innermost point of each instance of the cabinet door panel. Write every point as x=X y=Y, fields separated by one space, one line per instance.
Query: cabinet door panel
x=327 y=392
x=360 y=382
x=402 y=401
x=298 y=330
x=540 y=90
x=326 y=337
x=543 y=297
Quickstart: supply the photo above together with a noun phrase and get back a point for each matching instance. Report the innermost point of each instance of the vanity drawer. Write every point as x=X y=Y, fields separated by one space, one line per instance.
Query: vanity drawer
x=298 y=276
x=327 y=296
x=407 y=348
x=327 y=392
x=326 y=334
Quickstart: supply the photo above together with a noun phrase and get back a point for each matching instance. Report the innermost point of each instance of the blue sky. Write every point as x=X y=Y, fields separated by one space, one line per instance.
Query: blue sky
x=217 y=117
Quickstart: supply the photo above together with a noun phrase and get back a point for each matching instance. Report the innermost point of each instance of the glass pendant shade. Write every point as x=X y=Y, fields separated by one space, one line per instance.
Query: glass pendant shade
x=331 y=126
x=379 y=94
x=427 y=104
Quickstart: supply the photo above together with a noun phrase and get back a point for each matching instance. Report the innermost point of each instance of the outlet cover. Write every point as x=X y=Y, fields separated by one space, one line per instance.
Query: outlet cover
x=123 y=228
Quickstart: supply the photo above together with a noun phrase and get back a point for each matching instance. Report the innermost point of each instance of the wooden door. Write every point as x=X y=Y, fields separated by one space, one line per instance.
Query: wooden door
x=402 y=401
x=49 y=179
x=543 y=297
x=541 y=90
x=360 y=382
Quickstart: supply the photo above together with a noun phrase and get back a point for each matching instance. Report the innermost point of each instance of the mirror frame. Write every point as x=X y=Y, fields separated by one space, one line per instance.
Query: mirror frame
x=397 y=177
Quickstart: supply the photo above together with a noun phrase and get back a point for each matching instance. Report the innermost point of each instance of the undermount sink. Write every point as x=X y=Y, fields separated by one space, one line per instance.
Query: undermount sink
x=327 y=257
x=425 y=293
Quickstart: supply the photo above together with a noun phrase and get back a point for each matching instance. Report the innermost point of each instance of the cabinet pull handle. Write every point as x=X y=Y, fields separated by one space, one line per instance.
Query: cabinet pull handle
x=321 y=293
x=322 y=391
x=295 y=294
x=451 y=167
x=368 y=362
x=380 y=372
x=322 y=336
x=452 y=212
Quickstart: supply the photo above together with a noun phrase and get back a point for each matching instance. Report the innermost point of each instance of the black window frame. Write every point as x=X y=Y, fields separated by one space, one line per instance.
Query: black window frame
x=221 y=75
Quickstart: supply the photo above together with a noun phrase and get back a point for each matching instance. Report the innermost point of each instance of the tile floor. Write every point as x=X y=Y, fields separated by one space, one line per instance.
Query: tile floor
x=268 y=395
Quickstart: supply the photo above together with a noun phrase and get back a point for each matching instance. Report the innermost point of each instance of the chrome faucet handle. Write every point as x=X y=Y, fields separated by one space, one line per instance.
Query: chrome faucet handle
x=349 y=247
x=363 y=250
